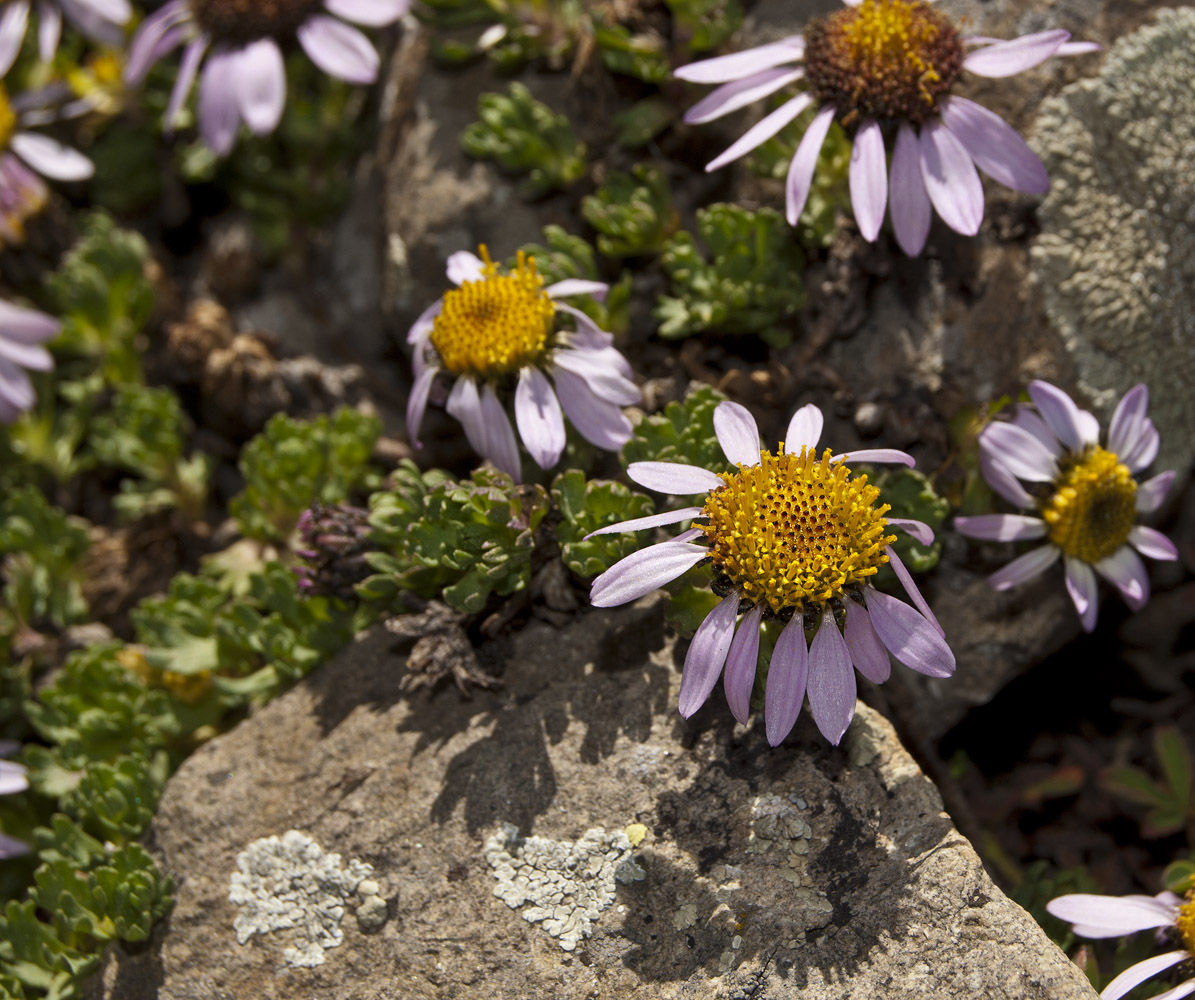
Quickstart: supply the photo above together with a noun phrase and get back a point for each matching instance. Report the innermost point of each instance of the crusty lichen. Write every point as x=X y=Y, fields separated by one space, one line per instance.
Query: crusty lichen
x=289 y=883
x=1116 y=256
x=562 y=885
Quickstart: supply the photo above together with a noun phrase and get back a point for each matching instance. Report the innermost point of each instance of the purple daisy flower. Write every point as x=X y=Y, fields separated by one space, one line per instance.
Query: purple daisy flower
x=100 y=20
x=22 y=332
x=796 y=539
x=22 y=194
x=885 y=70
x=243 y=77
x=12 y=781
x=1085 y=498
x=1095 y=916
x=496 y=329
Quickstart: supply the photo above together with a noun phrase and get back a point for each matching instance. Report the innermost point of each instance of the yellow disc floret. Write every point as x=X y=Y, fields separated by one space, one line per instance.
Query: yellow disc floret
x=8 y=119
x=1093 y=507
x=1185 y=924
x=496 y=325
x=796 y=530
x=891 y=60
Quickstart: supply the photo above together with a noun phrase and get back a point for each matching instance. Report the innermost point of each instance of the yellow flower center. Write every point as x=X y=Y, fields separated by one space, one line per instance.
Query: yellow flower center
x=1093 y=507
x=796 y=530
x=1185 y=924
x=241 y=21
x=8 y=119
x=890 y=60
x=497 y=325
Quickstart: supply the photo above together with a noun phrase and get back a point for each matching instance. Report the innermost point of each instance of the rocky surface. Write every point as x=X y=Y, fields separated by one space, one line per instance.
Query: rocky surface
x=1116 y=256
x=805 y=871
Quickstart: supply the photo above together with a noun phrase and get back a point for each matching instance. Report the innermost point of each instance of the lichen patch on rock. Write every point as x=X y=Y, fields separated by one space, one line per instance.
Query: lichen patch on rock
x=562 y=885
x=289 y=883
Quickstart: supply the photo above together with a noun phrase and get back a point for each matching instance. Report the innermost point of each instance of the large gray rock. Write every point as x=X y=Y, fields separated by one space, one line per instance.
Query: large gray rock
x=653 y=858
x=1116 y=256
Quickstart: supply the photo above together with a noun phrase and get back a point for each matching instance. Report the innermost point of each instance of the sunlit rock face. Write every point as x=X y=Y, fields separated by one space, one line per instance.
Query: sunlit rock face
x=1115 y=259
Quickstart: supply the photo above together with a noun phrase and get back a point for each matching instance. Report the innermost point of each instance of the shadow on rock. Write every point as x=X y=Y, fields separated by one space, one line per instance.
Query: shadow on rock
x=603 y=678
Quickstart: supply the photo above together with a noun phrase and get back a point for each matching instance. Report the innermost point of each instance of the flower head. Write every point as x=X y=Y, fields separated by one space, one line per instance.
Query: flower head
x=22 y=193
x=1172 y=916
x=22 y=332
x=12 y=781
x=496 y=330
x=886 y=70
x=101 y=20
x=1084 y=497
x=793 y=538
x=238 y=45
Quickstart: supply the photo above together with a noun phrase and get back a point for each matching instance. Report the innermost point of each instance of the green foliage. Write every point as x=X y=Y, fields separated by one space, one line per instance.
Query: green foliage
x=42 y=549
x=637 y=125
x=97 y=711
x=563 y=255
x=586 y=506
x=912 y=496
x=684 y=432
x=690 y=603
x=293 y=463
x=830 y=192
x=1179 y=876
x=103 y=297
x=632 y=212
x=750 y=284
x=525 y=136
x=117 y=801
x=33 y=957
x=143 y=434
x=249 y=647
x=1171 y=801
x=517 y=32
x=462 y=541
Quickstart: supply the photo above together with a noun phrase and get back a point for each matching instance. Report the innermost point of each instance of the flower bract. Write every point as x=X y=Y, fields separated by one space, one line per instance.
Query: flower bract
x=886 y=70
x=234 y=47
x=1083 y=498
x=793 y=538
x=1172 y=916
x=496 y=331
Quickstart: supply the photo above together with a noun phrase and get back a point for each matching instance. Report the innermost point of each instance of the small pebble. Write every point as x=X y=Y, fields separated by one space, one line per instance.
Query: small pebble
x=372 y=914
x=869 y=419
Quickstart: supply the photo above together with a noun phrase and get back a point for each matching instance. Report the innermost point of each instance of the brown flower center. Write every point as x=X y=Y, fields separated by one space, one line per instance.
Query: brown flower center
x=890 y=60
x=237 y=22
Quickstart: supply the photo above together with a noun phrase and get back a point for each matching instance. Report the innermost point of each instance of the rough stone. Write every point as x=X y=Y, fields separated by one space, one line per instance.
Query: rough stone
x=865 y=888
x=1116 y=256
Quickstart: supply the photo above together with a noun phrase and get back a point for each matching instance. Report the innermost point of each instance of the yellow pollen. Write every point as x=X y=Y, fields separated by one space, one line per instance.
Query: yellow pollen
x=1093 y=507
x=497 y=325
x=1185 y=924
x=884 y=59
x=8 y=119
x=796 y=530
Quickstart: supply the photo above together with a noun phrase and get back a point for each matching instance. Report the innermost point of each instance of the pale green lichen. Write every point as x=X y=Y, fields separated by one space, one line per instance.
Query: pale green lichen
x=1115 y=259
x=562 y=885
x=289 y=883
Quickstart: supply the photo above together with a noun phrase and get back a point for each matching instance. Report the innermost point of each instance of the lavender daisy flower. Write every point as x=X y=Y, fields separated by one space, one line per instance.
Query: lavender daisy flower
x=1115 y=916
x=885 y=69
x=22 y=194
x=12 y=781
x=100 y=20
x=499 y=329
x=1085 y=498
x=238 y=44
x=795 y=539
x=22 y=332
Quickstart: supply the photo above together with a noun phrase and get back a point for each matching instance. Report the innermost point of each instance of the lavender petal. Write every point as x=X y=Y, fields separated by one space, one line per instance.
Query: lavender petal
x=644 y=571
x=868 y=178
x=1025 y=568
x=868 y=653
x=739 y=678
x=788 y=675
x=706 y=655
x=909 y=204
x=908 y=636
x=1001 y=527
x=673 y=478
x=737 y=433
x=831 y=687
x=539 y=417
x=800 y=171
